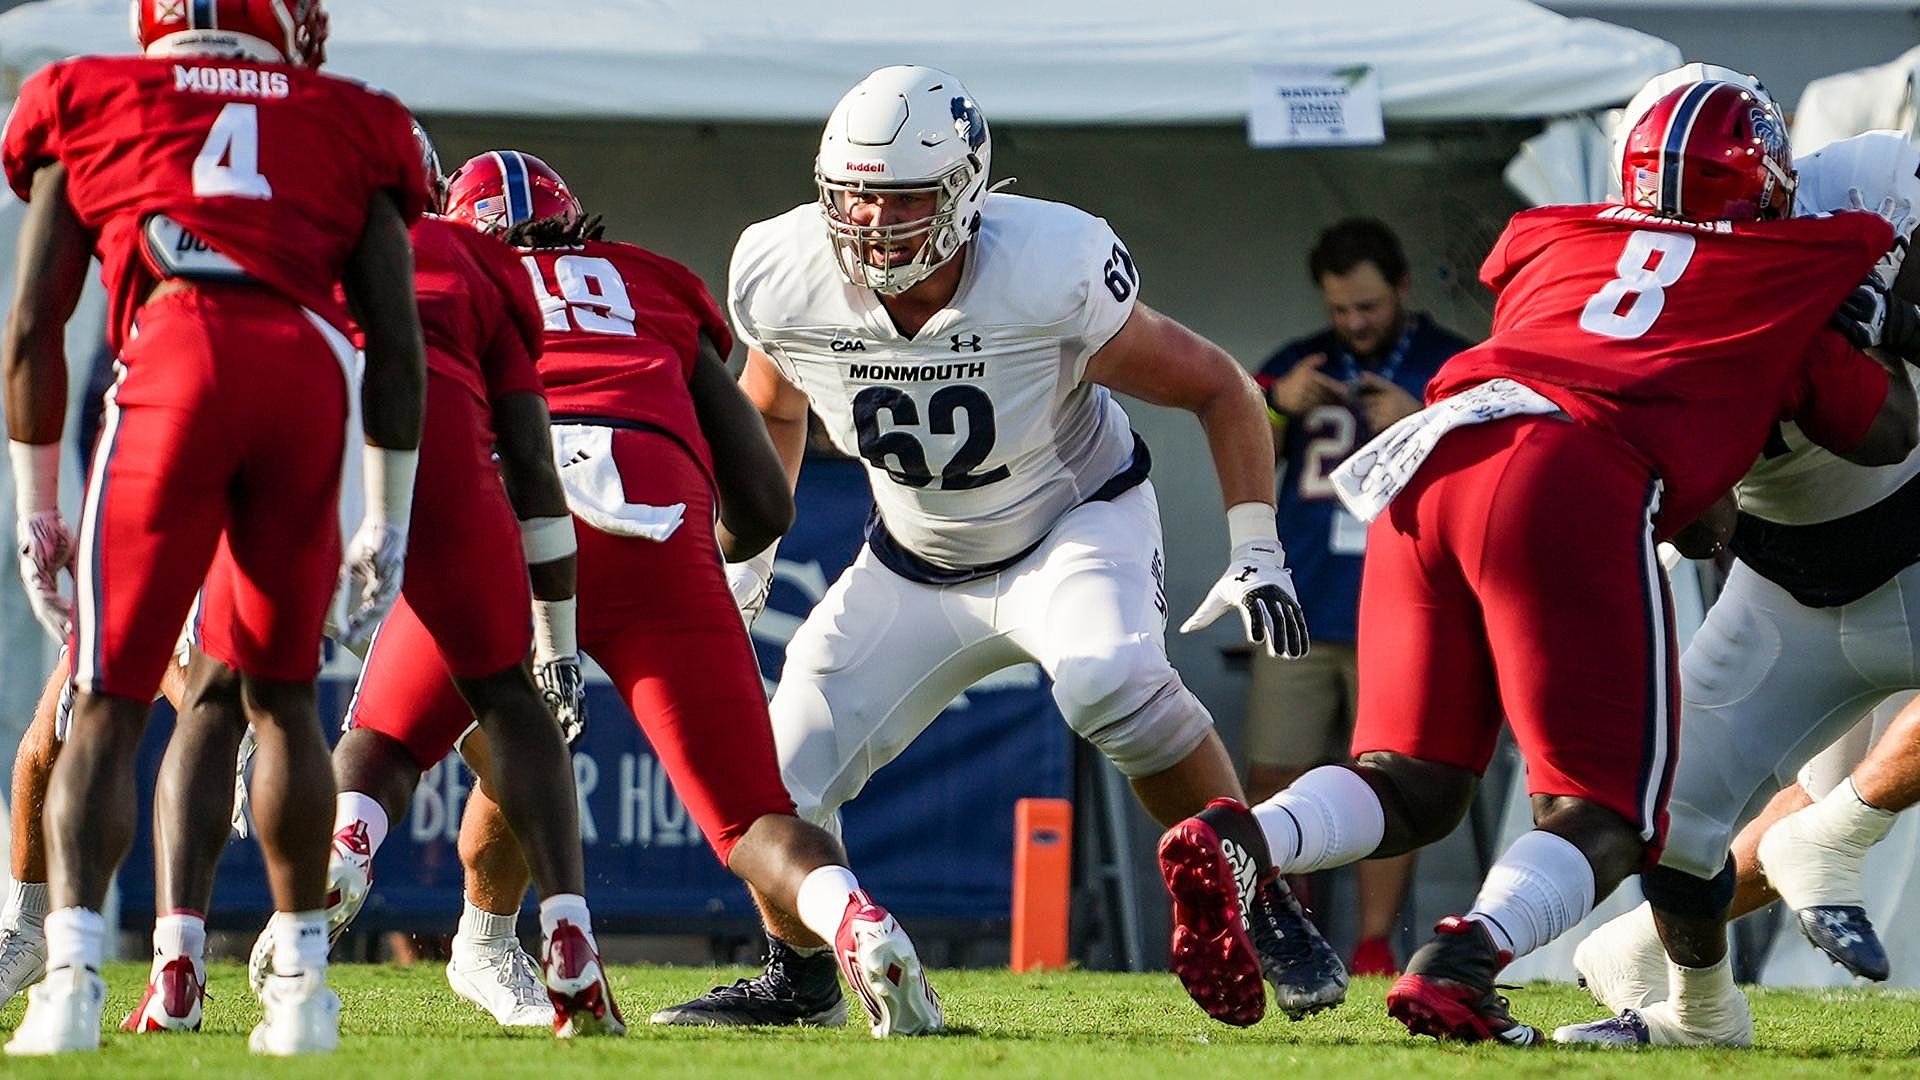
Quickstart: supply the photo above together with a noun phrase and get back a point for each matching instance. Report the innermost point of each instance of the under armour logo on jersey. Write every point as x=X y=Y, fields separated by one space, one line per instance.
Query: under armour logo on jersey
x=971 y=341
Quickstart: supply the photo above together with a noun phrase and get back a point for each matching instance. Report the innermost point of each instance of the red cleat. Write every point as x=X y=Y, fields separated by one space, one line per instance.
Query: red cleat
x=1448 y=990
x=172 y=1001
x=583 y=1002
x=1374 y=956
x=1211 y=878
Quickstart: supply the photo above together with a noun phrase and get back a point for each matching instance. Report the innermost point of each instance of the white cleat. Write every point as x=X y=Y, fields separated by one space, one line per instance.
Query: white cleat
x=502 y=981
x=349 y=879
x=1622 y=963
x=583 y=1004
x=172 y=1001
x=23 y=959
x=63 y=1014
x=302 y=1016
x=879 y=963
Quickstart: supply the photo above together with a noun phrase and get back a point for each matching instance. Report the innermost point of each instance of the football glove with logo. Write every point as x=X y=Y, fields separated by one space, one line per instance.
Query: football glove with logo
x=45 y=542
x=556 y=664
x=1871 y=317
x=375 y=560
x=1258 y=584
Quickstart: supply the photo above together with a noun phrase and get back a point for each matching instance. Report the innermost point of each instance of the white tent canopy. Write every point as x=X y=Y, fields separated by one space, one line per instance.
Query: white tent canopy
x=1063 y=61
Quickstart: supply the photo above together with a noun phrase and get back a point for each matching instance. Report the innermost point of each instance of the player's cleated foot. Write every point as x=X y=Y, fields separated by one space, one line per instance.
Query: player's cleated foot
x=1660 y=1024
x=1847 y=936
x=577 y=987
x=1211 y=862
x=1622 y=963
x=502 y=981
x=302 y=1016
x=23 y=960
x=1374 y=956
x=791 y=990
x=1448 y=990
x=1306 y=973
x=63 y=1014
x=172 y=1001
x=349 y=879
x=1626 y=1029
x=879 y=962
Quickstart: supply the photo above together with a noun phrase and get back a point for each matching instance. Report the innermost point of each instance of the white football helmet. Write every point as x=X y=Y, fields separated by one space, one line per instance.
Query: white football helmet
x=903 y=128
x=1668 y=81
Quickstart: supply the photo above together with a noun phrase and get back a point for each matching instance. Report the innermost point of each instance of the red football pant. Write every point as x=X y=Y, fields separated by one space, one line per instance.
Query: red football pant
x=1516 y=576
x=659 y=618
x=229 y=413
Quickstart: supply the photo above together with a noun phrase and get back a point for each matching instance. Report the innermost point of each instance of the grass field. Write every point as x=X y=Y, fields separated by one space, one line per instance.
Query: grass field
x=403 y=1023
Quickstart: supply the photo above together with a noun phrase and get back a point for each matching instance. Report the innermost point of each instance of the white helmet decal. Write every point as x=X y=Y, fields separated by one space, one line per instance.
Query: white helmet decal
x=903 y=129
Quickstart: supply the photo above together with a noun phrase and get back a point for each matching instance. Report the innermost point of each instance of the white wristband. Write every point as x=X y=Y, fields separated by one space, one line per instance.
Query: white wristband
x=1249 y=521
x=547 y=538
x=554 y=629
x=389 y=483
x=36 y=476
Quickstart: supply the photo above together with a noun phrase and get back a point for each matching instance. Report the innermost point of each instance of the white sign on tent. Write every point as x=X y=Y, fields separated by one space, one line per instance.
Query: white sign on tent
x=1296 y=105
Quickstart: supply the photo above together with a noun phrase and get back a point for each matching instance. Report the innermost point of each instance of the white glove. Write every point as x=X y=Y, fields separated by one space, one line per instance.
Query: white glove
x=752 y=582
x=1258 y=584
x=46 y=548
x=1899 y=213
x=239 y=824
x=375 y=561
x=556 y=664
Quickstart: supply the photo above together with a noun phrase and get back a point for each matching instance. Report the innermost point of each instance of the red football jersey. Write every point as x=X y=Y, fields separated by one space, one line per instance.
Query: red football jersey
x=1686 y=341
x=623 y=332
x=477 y=311
x=272 y=166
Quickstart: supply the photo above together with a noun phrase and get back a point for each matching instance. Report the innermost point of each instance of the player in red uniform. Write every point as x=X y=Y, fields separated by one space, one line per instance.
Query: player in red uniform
x=226 y=187
x=1640 y=355
x=649 y=425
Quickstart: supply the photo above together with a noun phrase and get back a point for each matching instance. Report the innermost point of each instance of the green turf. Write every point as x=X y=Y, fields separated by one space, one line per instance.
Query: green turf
x=403 y=1022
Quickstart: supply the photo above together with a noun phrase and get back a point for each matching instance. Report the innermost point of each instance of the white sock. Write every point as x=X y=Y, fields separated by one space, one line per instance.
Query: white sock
x=352 y=806
x=76 y=937
x=1700 y=996
x=299 y=942
x=179 y=933
x=481 y=927
x=26 y=906
x=822 y=899
x=1329 y=817
x=1538 y=890
x=566 y=907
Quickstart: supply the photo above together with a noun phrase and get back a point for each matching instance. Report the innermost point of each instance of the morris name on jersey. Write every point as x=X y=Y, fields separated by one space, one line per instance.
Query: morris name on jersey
x=980 y=431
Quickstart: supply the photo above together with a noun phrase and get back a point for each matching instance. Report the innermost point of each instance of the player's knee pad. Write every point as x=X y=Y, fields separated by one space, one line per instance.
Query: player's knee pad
x=1423 y=800
x=1697 y=840
x=1133 y=708
x=1682 y=893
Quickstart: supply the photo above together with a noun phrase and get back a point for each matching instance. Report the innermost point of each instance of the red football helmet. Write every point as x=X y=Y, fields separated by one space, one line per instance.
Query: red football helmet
x=1709 y=151
x=499 y=189
x=276 y=31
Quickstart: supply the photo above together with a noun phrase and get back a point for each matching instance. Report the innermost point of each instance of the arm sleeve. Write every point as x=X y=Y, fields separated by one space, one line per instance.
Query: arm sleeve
x=1109 y=289
x=1839 y=394
x=31 y=136
x=399 y=168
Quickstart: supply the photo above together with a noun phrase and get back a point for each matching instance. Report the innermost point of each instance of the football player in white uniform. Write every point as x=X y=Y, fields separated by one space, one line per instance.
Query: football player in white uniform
x=1813 y=629
x=966 y=346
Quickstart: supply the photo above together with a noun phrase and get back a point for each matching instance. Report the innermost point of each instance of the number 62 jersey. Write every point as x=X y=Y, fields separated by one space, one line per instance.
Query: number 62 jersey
x=980 y=431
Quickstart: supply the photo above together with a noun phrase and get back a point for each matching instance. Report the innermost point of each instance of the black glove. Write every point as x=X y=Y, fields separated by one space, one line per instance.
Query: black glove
x=564 y=692
x=1871 y=318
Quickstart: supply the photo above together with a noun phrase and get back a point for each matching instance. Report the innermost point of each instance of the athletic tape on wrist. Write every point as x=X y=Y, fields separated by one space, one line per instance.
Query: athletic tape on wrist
x=1249 y=521
x=554 y=629
x=545 y=539
x=36 y=476
x=389 y=483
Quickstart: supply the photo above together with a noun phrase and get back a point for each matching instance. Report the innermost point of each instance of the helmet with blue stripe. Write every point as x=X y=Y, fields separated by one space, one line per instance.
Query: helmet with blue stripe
x=500 y=189
x=1709 y=151
x=270 y=31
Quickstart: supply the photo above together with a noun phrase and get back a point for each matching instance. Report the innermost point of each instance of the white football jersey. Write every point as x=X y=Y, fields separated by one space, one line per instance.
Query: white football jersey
x=1797 y=482
x=978 y=432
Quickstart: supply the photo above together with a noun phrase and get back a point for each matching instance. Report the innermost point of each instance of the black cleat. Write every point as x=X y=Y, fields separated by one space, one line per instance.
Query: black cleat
x=792 y=990
x=1847 y=936
x=1448 y=990
x=1306 y=974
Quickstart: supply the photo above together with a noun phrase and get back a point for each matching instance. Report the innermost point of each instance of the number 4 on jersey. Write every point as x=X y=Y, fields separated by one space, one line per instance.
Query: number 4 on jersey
x=228 y=163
